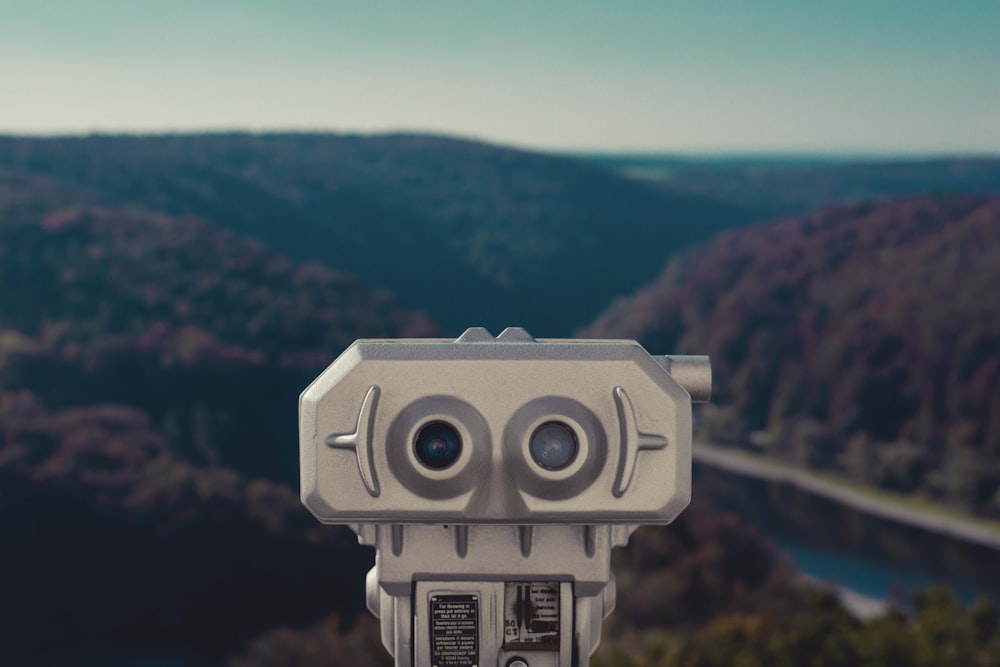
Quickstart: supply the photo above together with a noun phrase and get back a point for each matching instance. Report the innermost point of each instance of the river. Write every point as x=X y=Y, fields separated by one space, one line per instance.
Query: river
x=880 y=550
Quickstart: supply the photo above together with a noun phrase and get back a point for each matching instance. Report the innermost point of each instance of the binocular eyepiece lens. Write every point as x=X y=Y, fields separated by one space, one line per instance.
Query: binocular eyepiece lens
x=553 y=445
x=437 y=445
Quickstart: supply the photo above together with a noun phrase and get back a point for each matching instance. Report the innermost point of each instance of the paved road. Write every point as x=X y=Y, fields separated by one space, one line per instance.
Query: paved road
x=744 y=464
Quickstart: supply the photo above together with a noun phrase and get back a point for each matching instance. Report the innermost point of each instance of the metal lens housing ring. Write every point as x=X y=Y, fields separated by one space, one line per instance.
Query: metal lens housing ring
x=579 y=472
x=461 y=475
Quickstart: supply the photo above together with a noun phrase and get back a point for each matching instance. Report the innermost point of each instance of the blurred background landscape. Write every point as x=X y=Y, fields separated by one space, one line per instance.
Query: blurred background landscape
x=201 y=208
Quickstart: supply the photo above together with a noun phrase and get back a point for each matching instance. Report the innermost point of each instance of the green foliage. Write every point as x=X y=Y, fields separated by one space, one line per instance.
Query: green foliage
x=821 y=634
x=324 y=645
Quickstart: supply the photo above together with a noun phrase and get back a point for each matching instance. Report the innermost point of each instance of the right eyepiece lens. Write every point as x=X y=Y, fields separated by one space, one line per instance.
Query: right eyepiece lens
x=553 y=445
x=437 y=445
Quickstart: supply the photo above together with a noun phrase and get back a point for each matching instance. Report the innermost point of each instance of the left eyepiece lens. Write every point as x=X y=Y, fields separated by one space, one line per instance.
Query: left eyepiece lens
x=437 y=445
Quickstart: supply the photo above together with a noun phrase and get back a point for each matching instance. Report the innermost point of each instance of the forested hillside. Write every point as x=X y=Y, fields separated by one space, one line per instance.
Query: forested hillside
x=477 y=235
x=159 y=315
x=858 y=339
x=212 y=335
x=149 y=372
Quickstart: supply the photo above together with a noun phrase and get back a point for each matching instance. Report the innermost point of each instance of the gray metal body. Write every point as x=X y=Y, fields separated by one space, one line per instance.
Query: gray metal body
x=495 y=540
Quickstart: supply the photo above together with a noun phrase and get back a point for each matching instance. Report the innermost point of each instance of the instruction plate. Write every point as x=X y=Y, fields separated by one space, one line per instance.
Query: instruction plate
x=454 y=630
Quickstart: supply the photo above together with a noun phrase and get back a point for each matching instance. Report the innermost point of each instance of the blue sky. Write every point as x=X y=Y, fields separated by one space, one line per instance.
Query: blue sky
x=842 y=77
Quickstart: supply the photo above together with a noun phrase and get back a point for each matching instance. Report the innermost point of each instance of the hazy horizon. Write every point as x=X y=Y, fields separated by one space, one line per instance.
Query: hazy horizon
x=777 y=155
x=845 y=78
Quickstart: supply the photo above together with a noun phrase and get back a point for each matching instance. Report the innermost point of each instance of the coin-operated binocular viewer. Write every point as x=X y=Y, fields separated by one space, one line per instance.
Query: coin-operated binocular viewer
x=493 y=476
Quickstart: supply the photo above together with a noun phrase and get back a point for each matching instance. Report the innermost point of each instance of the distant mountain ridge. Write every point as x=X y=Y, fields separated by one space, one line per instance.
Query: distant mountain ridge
x=859 y=339
x=472 y=233
x=781 y=185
